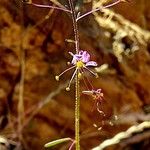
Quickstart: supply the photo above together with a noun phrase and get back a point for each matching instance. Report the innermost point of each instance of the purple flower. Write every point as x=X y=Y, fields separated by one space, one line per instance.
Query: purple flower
x=83 y=56
x=80 y=62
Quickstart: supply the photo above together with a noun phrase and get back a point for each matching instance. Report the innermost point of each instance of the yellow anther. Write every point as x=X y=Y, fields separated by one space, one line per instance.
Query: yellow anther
x=68 y=63
x=80 y=64
x=67 y=88
x=57 y=78
x=79 y=75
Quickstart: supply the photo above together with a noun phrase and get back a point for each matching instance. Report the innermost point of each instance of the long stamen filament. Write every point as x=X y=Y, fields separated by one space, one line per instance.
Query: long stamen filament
x=95 y=74
x=58 y=76
x=90 y=84
x=86 y=84
x=68 y=87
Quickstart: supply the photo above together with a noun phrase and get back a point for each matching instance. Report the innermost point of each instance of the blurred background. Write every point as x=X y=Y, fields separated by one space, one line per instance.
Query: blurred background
x=35 y=109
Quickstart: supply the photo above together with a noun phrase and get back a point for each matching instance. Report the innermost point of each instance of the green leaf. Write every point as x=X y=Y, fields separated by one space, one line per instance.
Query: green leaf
x=56 y=142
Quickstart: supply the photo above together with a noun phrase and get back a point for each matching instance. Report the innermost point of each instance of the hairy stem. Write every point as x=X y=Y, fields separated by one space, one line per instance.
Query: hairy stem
x=77 y=114
x=77 y=86
x=75 y=25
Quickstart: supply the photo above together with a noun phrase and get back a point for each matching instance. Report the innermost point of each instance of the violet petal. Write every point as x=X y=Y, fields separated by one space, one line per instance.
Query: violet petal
x=85 y=56
x=91 y=63
x=75 y=58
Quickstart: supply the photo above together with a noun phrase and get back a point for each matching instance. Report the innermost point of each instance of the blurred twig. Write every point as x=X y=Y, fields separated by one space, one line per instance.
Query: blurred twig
x=21 y=85
x=44 y=102
x=122 y=135
x=44 y=19
x=136 y=139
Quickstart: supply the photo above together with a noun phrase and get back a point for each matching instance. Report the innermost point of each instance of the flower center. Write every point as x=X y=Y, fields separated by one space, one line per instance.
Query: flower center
x=79 y=64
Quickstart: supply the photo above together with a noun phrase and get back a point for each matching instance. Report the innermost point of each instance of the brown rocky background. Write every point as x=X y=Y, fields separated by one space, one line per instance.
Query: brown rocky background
x=34 y=49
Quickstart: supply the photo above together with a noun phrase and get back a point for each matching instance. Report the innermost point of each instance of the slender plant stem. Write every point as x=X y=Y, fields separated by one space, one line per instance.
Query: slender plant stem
x=53 y=7
x=77 y=85
x=97 y=9
x=77 y=113
x=75 y=25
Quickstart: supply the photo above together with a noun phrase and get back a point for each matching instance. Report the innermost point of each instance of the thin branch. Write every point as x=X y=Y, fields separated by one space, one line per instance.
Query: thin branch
x=44 y=102
x=48 y=6
x=53 y=7
x=135 y=139
x=44 y=19
x=75 y=26
x=98 y=9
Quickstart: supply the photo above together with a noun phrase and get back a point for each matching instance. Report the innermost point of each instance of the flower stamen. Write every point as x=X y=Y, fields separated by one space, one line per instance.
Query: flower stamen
x=95 y=74
x=80 y=64
x=58 y=76
x=68 y=87
x=80 y=61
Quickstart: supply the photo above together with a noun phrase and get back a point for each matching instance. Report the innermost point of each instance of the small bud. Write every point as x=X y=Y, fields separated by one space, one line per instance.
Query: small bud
x=57 y=78
x=67 y=88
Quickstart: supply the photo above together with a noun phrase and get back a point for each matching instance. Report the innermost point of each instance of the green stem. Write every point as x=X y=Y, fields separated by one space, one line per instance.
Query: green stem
x=77 y=87
x=75 y=25
x=77 y=113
